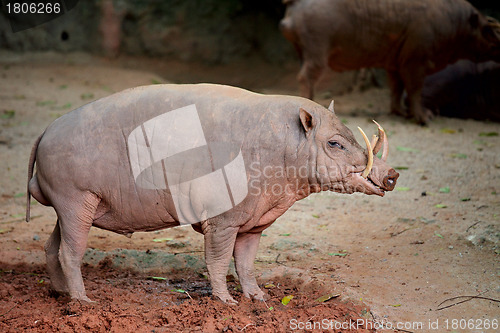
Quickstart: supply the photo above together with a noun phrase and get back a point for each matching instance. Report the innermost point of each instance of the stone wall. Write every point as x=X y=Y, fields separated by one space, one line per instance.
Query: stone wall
x=207 y=30
x=212 y=31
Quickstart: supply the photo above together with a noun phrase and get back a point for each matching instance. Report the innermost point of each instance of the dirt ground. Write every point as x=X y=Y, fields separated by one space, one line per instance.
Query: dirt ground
x=389 y=260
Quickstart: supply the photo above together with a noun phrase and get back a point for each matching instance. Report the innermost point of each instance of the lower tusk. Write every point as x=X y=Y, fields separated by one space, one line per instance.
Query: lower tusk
x=369 y=165
x=383 y=141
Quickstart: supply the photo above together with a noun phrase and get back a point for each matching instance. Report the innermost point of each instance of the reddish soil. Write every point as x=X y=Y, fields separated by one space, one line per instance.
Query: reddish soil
x=130 y=302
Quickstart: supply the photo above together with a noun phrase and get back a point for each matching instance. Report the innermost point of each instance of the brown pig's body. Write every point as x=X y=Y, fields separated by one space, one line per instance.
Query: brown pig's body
x=408 y=38
x=464 y=89
x=223 y=159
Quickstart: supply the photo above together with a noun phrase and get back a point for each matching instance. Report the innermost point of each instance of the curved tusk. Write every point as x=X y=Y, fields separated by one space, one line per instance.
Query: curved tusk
x=383 y=142
x=369 y=165
x=374 y=144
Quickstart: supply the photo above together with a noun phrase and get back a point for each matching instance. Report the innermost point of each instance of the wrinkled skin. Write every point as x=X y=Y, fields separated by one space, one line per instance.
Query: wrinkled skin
x=83 y=171
x=409 y=39
x=464 y=89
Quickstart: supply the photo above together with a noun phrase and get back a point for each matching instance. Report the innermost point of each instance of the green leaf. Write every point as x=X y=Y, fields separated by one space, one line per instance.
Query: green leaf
x=269 y=286
x=315 y=216
x=157 y=278
x=439 y=235
x=87 y=96
x=159 y=240
x=285 y=234
x=440 y=206
x=155 y=81
x=459 y=155
x=401 y=168
x=407 y=149
x=45 y=103
x=337 y=254
x=395 y=305
x=444 y=189
x=65 y=106
x=465 y=199
x=402 y=189
x=488 y=134
x=285 y=300
x=179 y=290
x=8 y=114
x=448 y=131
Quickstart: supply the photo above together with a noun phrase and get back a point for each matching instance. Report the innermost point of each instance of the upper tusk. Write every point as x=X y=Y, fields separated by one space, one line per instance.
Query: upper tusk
x=381 y=142
x=369 y=165
x=374 y=144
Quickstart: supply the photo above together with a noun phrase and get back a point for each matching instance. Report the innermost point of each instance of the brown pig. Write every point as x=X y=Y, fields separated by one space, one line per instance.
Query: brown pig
x=223 y=159
x=464 y=89
x=409 y=39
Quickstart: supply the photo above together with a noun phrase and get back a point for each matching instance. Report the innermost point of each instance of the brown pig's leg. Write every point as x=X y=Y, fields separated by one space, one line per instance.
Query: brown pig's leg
x=414 y=82
x=245 y=251
x=75 y=215
x=309 y=74
x=219 y=245
x=396 y=85
x=57 y=280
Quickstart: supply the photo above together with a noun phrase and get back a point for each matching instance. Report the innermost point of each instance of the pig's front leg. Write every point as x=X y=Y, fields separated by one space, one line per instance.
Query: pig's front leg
x=245 y=250
x=219 y=245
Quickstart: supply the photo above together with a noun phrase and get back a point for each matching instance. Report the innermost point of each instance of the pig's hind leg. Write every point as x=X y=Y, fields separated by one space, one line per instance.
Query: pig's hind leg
x=75 y=215
x=57 y=280
x=414 y=82
x=397 y=87
x=245 y=250
x=309 y=74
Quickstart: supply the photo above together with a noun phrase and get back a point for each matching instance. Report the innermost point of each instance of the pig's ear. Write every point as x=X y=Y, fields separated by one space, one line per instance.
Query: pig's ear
x=474 y=20
x=331 y=107
x=307 y=120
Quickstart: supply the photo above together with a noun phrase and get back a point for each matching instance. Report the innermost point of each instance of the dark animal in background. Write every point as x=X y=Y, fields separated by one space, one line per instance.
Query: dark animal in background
x=410 y=39
x=465 y=89
x=225 y=160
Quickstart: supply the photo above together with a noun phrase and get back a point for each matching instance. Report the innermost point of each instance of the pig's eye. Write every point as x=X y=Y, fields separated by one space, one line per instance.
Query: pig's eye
x=335 y=144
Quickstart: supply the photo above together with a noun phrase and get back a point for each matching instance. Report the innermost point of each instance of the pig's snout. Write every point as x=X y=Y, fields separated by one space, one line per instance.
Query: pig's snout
x=389 y=181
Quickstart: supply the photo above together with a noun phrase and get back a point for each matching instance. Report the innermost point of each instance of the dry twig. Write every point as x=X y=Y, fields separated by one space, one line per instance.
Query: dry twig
x=249 y=324
x=468 y=298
